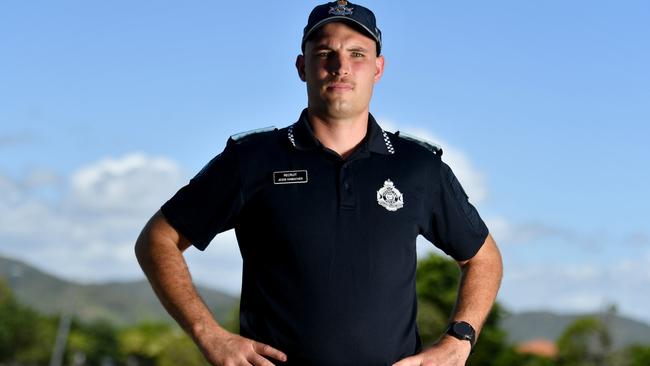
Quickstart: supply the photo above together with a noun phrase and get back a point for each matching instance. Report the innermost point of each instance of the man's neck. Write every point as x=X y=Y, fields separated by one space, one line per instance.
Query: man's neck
x=340 y=135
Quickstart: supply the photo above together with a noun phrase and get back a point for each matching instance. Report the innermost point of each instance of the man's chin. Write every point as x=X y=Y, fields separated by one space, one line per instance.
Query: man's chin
x=342 y=111
x=337 y=108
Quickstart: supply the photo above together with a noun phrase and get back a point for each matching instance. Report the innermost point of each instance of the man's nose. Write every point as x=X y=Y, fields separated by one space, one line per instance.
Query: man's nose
x=338 y=64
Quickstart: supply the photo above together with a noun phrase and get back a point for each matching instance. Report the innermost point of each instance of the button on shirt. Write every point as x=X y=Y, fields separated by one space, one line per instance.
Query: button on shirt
x=328 y=244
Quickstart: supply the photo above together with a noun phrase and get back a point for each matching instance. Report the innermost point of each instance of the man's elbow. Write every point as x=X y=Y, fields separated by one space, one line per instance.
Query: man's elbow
x=492 y=261
x=488 y=256
x=146 y=241
x=158 y=235
x=142 y=246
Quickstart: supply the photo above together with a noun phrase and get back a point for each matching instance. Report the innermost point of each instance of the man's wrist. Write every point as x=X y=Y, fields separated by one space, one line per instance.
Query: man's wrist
x=207 y=329
x=450 y=341
x=462 y=331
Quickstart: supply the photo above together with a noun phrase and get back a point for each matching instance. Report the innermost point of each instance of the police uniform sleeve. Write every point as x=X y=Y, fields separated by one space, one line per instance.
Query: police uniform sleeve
x=210 y=202
x=456 y=226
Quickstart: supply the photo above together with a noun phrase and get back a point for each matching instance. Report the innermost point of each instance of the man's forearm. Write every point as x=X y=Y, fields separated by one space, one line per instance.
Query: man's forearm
x=159 y=250
x=480 y=281
x=162 y=261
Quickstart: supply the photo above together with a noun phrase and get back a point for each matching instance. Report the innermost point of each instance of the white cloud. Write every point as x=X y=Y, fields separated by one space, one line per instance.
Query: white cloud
x=42 y=178
x=579 y=286
x=220 y=265
x=470 y=177
x=518 y=233
x=130 y=184
x=10 y=193
x=568 y=270
x=86 y=228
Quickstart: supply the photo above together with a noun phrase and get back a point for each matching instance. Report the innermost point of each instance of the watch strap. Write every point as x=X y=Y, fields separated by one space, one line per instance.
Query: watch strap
x=463 y=331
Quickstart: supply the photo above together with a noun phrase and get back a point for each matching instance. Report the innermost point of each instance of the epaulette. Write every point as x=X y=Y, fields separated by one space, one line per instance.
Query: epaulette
x=242 y=135
x=436 y=149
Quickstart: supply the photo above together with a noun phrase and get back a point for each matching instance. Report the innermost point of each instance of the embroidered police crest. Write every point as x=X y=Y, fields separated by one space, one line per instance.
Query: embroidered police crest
x=390 y=197
x=341 y=8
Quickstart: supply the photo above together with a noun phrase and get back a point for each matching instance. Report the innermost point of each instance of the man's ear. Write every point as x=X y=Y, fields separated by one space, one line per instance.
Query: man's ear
x=300 y=67
x=379 y=64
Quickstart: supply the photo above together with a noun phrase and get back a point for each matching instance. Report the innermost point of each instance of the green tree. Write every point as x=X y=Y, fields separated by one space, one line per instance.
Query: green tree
x=182 y=352
x=437 y=280
x=25 y=336
x=585 y=342
x=231 y=323
x=13 y=318
x=510 y=357
x=97 y=341
x=145 y=341
x=638 y=355
x=159 y=344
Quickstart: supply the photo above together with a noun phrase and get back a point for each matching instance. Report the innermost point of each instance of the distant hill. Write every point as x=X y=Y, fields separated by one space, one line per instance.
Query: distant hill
x=131 y=302
x=118 y=302
x=526 y=326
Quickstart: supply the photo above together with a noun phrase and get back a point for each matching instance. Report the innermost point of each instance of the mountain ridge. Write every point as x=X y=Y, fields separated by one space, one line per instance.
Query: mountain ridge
x=129 y=302
x=119 y=302
x=541 y=324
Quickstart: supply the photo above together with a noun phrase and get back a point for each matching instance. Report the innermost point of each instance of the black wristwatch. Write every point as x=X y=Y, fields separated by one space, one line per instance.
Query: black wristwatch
x=462 y=331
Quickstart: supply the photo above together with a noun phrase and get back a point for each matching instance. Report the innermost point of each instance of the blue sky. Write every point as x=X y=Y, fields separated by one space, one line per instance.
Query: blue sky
x=542 y=109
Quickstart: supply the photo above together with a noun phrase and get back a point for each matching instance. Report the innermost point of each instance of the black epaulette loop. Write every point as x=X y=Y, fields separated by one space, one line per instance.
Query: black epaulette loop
x=436 y=149
x=239 y=137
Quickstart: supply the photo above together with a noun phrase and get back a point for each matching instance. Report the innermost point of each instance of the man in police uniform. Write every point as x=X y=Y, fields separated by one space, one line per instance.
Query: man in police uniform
x=326 y=213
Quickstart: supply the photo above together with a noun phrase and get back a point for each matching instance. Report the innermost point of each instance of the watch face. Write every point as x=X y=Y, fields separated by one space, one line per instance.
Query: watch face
x=463 y=329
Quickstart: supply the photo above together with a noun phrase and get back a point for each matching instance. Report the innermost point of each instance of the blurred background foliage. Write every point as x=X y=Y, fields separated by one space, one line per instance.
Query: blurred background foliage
x=27 y=337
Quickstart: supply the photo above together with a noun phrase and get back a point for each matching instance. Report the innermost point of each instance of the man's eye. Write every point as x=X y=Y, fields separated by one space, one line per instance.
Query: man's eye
x=322 y=54
x=357 y=54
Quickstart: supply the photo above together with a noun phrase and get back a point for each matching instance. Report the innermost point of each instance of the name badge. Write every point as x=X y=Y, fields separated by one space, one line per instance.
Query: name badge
x=290 y=177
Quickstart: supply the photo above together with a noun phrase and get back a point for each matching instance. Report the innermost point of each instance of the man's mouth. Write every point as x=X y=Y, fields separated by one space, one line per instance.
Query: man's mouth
x=339 y=87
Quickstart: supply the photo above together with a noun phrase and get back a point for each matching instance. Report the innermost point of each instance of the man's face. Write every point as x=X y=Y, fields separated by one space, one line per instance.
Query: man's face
x=340 y=67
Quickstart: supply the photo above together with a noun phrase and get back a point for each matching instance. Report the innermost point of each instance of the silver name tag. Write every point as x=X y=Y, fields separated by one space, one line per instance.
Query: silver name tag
x=290 y=177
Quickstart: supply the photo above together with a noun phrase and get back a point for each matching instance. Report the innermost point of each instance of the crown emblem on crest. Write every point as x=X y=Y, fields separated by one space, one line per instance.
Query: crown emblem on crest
x=341 y=8
x=390 y=197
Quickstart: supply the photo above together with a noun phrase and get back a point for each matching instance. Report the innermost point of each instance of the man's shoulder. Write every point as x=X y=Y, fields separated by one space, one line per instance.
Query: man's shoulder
x=260 y=145
x=417 y=145
x=257 y=140
x=256 y=135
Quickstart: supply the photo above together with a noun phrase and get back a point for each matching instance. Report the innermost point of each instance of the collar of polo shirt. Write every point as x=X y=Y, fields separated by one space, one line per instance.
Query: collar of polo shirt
x=302 y=136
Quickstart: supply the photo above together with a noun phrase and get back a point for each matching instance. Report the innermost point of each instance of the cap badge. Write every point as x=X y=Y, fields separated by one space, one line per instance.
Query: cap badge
x=341 y=8
x=390 y=197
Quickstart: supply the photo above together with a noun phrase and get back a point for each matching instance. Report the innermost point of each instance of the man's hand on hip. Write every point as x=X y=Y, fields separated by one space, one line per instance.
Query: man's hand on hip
x=227 y=349
x=448 y=351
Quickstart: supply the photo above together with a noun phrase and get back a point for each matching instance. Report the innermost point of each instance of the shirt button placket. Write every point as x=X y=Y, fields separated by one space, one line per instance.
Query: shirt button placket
x=346 y=187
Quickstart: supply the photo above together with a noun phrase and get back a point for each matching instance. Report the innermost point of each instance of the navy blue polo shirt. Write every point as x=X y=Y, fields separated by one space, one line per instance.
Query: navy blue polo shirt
x=328 y=244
